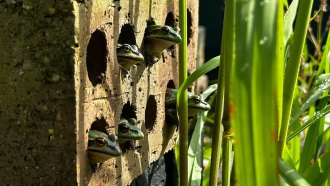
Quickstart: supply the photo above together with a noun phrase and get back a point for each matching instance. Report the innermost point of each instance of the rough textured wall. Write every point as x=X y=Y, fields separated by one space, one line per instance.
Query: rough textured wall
x=37 y=111
x=142 y=87
x=51 y=53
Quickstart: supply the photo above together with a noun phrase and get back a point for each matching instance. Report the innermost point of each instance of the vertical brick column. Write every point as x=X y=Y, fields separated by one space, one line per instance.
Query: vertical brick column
x=60 y=78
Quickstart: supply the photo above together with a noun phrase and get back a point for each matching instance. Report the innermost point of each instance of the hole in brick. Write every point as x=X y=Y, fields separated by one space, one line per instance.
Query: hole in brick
x=100 y=125
x=189 y=24
x=170 y=110
x=129 y=111
x=97 y=57
x=127 y=35
x=171 y=84
x=128 y=41
x=150 y=113
x=170 y=21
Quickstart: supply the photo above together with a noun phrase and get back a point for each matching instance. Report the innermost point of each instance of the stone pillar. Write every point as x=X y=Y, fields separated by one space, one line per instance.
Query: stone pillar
x=37 y=93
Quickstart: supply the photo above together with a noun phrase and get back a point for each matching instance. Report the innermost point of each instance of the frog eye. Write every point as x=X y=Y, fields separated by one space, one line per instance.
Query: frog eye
x=165 y=30
x=123 y=128
x=125 y=48
x=134 y=47
x=196 y=99
x=100 y=142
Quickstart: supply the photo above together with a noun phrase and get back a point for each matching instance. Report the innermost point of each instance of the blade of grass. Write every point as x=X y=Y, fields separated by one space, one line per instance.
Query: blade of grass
x=195 y=147
x=287 y=158
x=253 y=101
x=320 y=171
x=183 y=110
x=310 y=146
x=291 y=71
x=289 y=19
x=310 y=122
x=206 y=67
x=294 y=144
x=290 y=176
x=206 y=177
x=194 y=154
x=280 y=50
x=321 y=84
x=263 y=91
x=227 y=54
x=323 y=141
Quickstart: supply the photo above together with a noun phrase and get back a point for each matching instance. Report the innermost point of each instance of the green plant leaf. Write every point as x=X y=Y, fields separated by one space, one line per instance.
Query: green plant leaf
x=206 y=175
x=325 y=58
x=290 y=176
x=210 y=90
x=321 y=84
x=309 y=148
x=289 y=19
x=195 y=148
x=195 y=154
x=320 y=171
x=323 y=141
x=311 y=121
x=287 y=157
x=294 y=144
x=205 y=68
x=253 y=93
x=292 y=67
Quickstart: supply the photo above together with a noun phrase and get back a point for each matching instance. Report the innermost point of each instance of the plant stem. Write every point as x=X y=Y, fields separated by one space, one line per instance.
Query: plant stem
x=183 y=110
x=227 y=55
x=291 y=71
x=227 y=155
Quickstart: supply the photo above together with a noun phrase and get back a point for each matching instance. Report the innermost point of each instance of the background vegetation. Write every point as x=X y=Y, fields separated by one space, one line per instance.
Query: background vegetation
x=271 y=101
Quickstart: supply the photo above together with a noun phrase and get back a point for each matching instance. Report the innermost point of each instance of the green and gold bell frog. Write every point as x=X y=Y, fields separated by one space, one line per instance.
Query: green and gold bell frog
x=158 y=38
x=128 y=131
x=196 y=103
x=102 y=147
x=128 y=55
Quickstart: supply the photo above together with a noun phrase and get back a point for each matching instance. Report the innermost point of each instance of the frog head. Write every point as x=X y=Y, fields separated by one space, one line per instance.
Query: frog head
x=101 y=146
x=127 y=130
x=128 y=55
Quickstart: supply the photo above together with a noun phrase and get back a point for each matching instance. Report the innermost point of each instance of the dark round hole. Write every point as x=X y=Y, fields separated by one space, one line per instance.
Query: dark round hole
x=171 y=84
x=100 y=125
x=170 y=21
x=170 y=111
x=129 y=111
x=127 y=35
x=97 y=57
x=150 y=113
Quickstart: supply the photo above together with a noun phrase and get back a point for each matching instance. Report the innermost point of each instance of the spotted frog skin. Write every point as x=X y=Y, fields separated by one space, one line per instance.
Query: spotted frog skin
x=128 y=55
x=102 y=147
x=158 y=38
x=128 y=131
